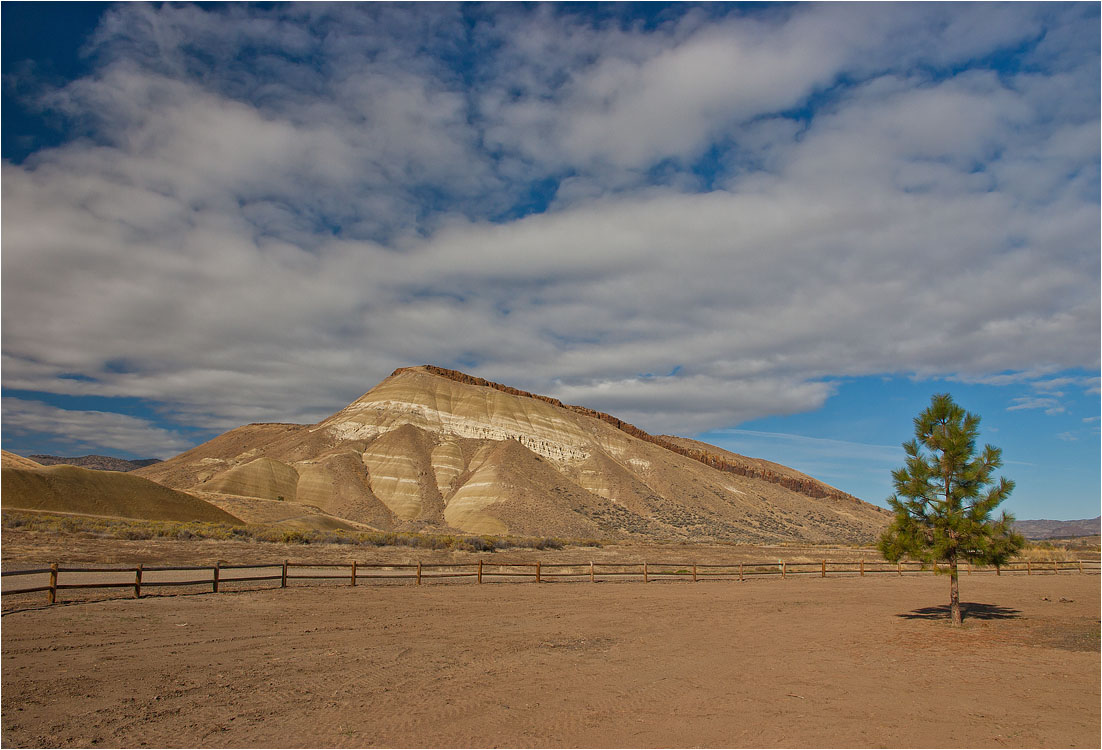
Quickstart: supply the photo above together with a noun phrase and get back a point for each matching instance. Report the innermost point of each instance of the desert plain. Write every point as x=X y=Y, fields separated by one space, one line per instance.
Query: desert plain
x=801 y=662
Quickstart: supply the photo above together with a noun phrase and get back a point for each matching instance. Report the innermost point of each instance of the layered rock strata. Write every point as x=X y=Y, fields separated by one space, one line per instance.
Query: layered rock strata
x=434 y=449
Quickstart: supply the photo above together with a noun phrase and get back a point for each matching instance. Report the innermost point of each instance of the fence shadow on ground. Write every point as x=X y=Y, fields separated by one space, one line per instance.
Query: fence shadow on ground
x=968 y=610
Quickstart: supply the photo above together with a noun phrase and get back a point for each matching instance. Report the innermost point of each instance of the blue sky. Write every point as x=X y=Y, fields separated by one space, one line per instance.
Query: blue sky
x=778 y=227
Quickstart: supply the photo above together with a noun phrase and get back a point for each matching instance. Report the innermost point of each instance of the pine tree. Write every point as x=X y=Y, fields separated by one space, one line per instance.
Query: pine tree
x=945 y=496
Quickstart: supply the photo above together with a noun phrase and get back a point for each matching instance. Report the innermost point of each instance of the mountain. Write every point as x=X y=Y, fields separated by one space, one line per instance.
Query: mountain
x=430 y=449
x=27 y=485
x=100 y=463
x=1044 y=529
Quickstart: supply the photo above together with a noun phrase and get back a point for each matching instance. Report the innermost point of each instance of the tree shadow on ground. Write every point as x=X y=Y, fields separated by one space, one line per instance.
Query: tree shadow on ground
x=968 y=611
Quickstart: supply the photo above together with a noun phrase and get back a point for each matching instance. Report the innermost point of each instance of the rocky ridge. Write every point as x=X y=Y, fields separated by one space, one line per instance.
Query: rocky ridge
x=99 y=463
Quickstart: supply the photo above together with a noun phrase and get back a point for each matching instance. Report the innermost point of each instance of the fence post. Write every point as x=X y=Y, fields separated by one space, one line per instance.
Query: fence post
x=353 y=572
x=694 y=573
x=283 y=578
x=1028 y=568
x=138 y=581
x=645 y=578
x=824 y=568
x=783 y=576
x=1080 y=567
x=418 y=572
x=52 y=596
x=537 y=571
x=740 y=571
x=969 y=564
x=593 y=578
x=1055 y=569
x=862 y=566
x=480 y=571
x=899 y=567
x=998 y=570
x=214 y=583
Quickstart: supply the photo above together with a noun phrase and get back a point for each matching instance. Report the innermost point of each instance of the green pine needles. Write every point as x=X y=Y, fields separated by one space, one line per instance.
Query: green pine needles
x=945 y=497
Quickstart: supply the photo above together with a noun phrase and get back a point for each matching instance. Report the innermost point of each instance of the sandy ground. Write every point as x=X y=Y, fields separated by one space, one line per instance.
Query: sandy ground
x=861 y=662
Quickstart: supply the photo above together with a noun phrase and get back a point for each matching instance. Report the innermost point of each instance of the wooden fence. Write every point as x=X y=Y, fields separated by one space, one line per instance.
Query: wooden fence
x=141 y=577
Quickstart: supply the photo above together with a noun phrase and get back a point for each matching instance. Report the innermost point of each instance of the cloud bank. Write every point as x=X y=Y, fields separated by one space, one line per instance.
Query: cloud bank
x=690 y=220
x=92 y=430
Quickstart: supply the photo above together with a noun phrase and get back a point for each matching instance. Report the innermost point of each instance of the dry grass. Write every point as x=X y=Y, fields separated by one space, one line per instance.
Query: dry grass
x=118 y=528
x=38 y=537
x=1060 y=550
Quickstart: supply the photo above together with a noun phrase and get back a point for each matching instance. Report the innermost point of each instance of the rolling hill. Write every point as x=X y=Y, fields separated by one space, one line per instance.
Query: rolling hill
x=27 y=485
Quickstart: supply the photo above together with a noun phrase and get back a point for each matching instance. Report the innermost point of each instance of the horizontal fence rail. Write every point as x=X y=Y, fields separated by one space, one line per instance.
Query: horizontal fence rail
x=353 y=572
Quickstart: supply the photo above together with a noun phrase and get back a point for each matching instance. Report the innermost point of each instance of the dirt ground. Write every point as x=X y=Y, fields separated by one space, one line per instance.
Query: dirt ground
x=860 y=662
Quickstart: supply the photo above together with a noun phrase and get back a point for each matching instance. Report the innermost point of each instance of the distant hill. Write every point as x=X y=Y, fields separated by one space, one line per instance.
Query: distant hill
x=1044 y=529
x=100 y=463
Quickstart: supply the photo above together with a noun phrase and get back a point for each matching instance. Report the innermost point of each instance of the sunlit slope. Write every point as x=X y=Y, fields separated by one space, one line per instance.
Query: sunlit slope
x=10 y=460
x=70 y=489
x=446 y=407
x=261 y=477
x=430 y=449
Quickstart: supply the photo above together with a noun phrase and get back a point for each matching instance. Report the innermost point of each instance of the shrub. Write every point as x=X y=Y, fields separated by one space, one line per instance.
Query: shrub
x=476 y=544
x=294 y=536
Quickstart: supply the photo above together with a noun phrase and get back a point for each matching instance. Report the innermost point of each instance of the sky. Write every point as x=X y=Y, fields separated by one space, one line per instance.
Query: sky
x=778 y=227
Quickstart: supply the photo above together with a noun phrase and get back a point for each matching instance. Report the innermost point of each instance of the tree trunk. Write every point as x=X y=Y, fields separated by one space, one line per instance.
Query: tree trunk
x=954 y=593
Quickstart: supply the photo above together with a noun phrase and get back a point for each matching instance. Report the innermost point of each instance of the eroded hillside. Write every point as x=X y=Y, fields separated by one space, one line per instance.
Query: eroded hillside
x=433 y=449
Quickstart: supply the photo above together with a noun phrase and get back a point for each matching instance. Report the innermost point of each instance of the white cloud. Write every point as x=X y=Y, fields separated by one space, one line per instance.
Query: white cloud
x=276 y=207
x=698 y=402
x=1050 y=405
x=89 y=430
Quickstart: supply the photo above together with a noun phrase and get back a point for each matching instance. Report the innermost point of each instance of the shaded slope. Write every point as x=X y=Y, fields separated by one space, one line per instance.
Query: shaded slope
x=337 y=483
x=511 y=490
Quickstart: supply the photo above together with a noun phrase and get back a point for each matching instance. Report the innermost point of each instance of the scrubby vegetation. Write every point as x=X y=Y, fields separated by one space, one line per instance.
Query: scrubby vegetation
x=1072 y=549
x=113 y=528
